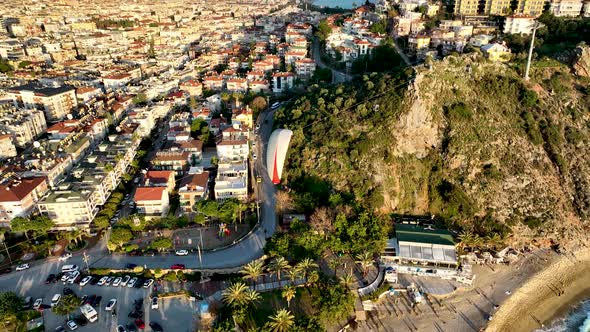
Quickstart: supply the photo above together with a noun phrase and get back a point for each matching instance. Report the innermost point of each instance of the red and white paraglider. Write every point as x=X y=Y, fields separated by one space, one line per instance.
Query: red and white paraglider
x=278 y=144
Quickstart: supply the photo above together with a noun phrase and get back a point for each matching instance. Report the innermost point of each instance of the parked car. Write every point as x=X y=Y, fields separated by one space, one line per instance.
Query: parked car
x=83 y=300
x=148 y=283
x=177 y=267
x=90 y=299
x=111 y=304
x=65 y=256
x=125 y=280
x=55 y=300
x=139 y=282
x=254 y=156
x=50 y=278
x=67 y=291
x=81 y=320
x=65 y=277
x=103 y=280
x=72 y=325
x=131 y=282
x=85 y=281
x=27 y=302
x=60 y=329
x=182 y=252
x=96 y=301
x=37 y=304
x=108 y=281
x=156 y=327
x=139 y=323
x=22 y=267
x=121 y=328
x=73 y=277
x=95 y=280
x=117 y=282
x=155 y=303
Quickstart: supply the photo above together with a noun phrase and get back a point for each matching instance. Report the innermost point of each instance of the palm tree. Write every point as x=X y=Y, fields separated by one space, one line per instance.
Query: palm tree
x=305 y=266
x=365 y=260
x=235 y=295
x=278 y=265
x=282 y=321
x=294 y=274
x=347 y=280
x=312 y=278
x=67 y=305
x=288 y=293
x=335 y=263
x=253 y=271
x=494 y=240
x=252 y=297
x=466 y=239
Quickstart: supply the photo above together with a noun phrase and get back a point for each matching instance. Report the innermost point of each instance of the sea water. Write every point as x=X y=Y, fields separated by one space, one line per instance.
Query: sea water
x=346 y=4
x=577 y=320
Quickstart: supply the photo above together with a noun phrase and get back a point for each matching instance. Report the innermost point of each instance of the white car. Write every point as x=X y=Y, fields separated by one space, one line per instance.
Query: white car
x=182 y=252
x=117 y=282
x=111 y=304
x=102 y=280
x=109 y=280
x=65 y=256
x=22 y=267
x=148 y=283
x=37 y=304
x=85 y=281
x=65 y=277
x=55 y=300
x=72 y=325
x=125 y=281
x=155 y=303
x=131 y=282
x=73 y=277
x=254 y=156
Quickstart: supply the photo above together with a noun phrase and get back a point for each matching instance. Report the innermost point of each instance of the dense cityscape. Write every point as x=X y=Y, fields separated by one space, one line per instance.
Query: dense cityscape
x=280 y=165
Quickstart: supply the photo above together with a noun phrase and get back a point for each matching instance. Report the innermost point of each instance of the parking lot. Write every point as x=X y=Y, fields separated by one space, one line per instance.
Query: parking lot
x=173 y=314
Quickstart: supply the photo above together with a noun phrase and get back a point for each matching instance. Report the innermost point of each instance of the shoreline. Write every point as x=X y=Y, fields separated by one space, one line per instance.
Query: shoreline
x=547 y=296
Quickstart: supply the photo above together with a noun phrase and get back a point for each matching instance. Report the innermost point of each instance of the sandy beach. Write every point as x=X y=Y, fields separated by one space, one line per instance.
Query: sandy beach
x=547 y=295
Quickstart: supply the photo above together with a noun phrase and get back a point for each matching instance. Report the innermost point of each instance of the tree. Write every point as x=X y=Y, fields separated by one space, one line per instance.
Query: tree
x=324 y=30
x=67 y=305
x=235 y=295
x=24 y=64
x=306 y=266
x=258 y=103
x=253 y=271
x=140 y=99
x=102 y=222
x=161 y=243
x=379 y=27
x=120 y=236
x=10 y=304
x=5 y=67
x=282 y=321
x=278 y=265
x=347 y=280
x=37 y=223
x=192 y=102
x=365 y=260
x=252 y=298
x=151 y=51
x=288 y=293
x=321 y=220
x=284 y=202
x=20 y=224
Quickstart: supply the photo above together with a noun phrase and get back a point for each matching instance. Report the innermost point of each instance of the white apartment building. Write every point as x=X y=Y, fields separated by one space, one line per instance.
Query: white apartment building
x=305 y=67
x=7 y=148
x=18 y=197
x=515 y=24
x=232 y=181
x=282 y=82
x=566 y=8
x=55 y=102
x=68 y=208
x=152 y=201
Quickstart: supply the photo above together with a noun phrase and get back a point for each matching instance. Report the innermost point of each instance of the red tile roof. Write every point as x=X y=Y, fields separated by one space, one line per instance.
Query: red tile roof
x=158 y=176
x=149 y=193
x=17 y=191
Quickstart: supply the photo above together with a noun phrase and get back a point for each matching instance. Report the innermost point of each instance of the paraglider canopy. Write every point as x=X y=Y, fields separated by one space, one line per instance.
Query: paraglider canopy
x=278 y=144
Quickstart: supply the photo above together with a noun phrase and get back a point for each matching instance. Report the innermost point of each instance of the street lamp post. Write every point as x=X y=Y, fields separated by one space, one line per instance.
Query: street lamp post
x=536 y=25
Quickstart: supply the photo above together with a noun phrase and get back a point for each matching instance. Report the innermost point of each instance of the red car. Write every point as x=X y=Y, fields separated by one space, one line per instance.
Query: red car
x=177 y=267
x=139 y=323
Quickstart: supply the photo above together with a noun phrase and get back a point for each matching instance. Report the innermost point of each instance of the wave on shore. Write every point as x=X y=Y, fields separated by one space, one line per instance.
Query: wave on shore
x=578 y=320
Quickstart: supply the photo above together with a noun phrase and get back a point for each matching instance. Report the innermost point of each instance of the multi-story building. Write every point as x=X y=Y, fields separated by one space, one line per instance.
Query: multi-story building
x=516 y=24
x=305 y=67
x=231 y=181
x=282 y=82
x=69 y=208
x=152 y=201
x=566 y=8
x=55 y=102
x=530 y=7
x=193 y=188
x=176 y=161
x=497 y=7
x=18 y=197
x=7 y=148
x=466 y=7
x=159 y=179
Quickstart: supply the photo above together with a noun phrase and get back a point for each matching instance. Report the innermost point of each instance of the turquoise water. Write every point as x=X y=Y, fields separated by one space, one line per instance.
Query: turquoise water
x=338 y=3
x=578 y=320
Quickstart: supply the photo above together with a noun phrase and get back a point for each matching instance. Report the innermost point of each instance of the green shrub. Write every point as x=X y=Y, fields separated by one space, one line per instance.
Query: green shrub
x=170 y=276
x=531 y=128
x=100 y=271
x=138 y=269
x=528 y=98
x=458 y=111
x=532 y=222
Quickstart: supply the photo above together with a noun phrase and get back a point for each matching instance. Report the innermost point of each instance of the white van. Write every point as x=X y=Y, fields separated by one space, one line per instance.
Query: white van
x=89 y=312
x=69 y=268
x=55 y=300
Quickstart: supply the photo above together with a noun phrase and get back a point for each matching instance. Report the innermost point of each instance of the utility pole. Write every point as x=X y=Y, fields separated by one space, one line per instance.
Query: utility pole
x=86 y=258
x=7 y=253
x=528 y=63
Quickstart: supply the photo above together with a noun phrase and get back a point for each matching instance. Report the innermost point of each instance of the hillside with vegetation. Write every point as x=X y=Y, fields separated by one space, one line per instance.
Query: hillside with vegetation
x=497 y=159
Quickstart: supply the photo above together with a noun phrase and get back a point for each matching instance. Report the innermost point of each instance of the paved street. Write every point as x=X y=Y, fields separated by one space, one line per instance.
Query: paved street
x=337 y=76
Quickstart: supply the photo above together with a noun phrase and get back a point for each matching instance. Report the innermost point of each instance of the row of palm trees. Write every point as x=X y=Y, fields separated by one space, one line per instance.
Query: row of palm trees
x=469 y=239
x=306 y=269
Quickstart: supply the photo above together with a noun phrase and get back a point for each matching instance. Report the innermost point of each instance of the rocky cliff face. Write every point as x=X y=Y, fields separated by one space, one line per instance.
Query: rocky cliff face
x=581 y=64
x=477 y=127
